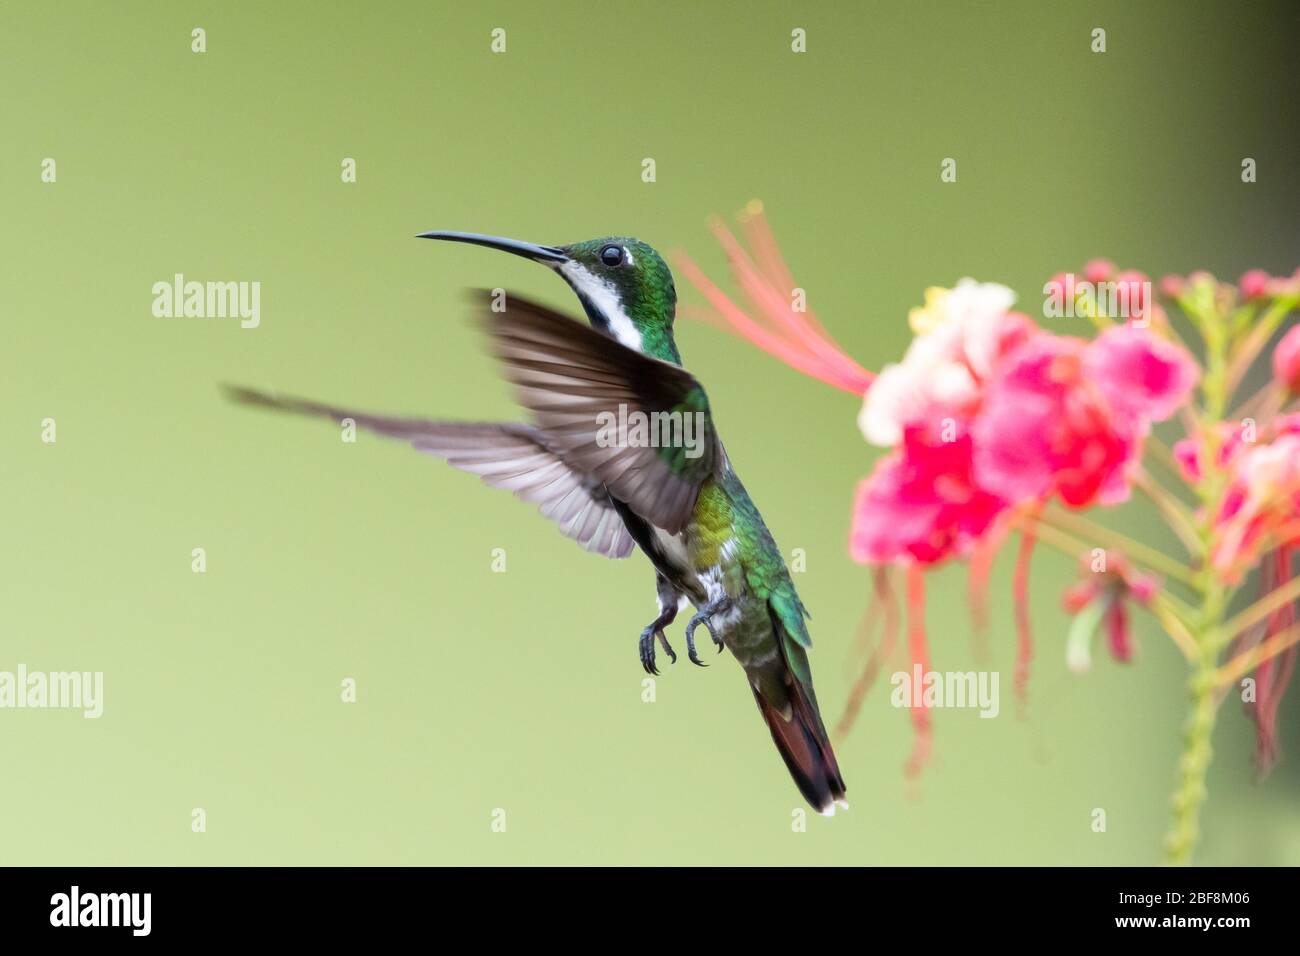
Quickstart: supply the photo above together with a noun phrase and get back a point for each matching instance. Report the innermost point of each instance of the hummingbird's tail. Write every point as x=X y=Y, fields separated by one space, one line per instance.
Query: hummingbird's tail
x=797 y=730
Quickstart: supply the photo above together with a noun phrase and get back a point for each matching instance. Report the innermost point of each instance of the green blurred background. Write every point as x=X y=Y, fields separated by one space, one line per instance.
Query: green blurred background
x=522 y=691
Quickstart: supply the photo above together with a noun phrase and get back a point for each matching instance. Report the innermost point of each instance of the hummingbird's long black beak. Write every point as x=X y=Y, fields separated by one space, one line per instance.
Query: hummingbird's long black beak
x=529 y=250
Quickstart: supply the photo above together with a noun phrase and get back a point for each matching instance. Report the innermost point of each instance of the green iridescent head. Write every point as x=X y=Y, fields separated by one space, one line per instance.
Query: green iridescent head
x=624 y=286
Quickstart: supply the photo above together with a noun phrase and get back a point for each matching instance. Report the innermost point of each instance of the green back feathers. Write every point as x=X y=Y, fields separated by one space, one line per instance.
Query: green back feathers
x=765 y=569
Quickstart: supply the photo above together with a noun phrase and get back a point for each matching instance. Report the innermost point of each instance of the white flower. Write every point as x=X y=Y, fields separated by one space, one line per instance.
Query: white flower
x=957 y=340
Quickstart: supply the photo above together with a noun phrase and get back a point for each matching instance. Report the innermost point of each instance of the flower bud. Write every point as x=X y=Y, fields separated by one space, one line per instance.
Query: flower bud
x=1098 y=270
x=1286 y=361
x=1172 y=286
x=1134 y=283
x=1253 y=284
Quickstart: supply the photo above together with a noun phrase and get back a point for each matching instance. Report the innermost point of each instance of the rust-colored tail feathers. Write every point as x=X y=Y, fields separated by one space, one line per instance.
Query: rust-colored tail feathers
x=800 y=737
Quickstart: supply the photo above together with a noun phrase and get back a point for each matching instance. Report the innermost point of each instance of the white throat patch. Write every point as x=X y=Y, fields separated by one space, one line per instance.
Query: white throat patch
x=605 y=298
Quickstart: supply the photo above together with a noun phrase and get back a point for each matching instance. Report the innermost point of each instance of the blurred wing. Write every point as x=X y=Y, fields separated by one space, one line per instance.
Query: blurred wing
x=584 y=390
x=505 y=455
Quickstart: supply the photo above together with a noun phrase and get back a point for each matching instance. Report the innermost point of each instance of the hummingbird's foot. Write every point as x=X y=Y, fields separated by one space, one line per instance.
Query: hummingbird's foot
x=719 y=606
x=690 y=645
x=655 y=631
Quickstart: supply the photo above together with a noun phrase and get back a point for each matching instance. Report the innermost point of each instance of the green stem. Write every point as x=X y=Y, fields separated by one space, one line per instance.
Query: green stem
x=1265 y=650
x=1180 y=520
x=1193 y=765
x=1259 y=336
x=1277 y=598
x=1078 y=525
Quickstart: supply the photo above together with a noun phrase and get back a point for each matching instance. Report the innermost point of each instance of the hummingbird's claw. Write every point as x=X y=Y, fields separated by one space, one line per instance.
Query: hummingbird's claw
x=668 y=648
x=690 y=637
x=668 y=602
x=647 y=649
x=652 y=632
x=695 y=658
x=704 y=617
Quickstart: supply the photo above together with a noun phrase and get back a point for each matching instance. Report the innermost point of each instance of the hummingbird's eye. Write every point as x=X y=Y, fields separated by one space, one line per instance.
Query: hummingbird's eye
x=612 y=255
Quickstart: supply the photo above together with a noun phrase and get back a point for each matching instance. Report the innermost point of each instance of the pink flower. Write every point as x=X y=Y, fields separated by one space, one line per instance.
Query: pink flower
x=962 y=335
x=1098 y=600
x=1187 y=457
x=1172 y=286
x=1044 y=429
x=921 y=503
x=1261 y=504
x=1188 y=451
x=1232 y=439
x=1025 y=415
x=1067 y=416
x=1145 y=377
x=1134 y=293
x=1098 y=270
x=1283 y=285
x=1253 y=284
x=1286 y=361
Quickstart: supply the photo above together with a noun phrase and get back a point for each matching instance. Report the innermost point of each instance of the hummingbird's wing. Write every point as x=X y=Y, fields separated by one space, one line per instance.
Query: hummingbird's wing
x=587 y=391
x=505 y=455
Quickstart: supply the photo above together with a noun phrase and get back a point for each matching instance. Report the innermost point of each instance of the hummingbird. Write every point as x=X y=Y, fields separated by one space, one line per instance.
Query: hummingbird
x=682 y=505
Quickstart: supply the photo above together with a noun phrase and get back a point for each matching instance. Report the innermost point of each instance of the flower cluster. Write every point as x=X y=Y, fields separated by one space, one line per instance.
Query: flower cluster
x=987 y=412
x=994 y=422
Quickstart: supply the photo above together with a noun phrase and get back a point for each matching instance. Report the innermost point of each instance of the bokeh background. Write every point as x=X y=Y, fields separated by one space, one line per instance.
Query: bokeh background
x=480 y=690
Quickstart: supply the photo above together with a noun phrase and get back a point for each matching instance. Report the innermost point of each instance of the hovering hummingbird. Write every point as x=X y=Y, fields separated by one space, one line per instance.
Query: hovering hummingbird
x=685 y=508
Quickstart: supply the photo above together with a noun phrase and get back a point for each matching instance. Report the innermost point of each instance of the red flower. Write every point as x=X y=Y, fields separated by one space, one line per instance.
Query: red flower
x=921 y=503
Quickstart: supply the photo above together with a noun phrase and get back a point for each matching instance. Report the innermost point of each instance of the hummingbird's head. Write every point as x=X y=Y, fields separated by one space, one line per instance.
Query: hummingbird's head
x=626 y=289
x=624 y=286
